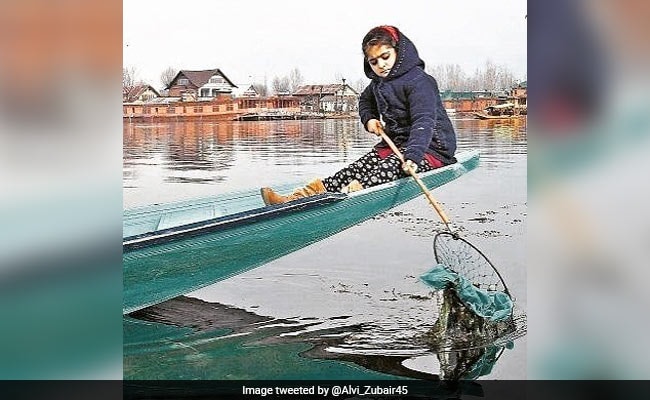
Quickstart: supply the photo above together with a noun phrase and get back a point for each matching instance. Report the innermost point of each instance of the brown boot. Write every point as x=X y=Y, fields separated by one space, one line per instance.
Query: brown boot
x=313 y=188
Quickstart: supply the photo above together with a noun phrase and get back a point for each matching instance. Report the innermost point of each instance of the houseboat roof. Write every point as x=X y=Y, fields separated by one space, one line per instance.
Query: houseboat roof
x=163 y=100
x=469 y=94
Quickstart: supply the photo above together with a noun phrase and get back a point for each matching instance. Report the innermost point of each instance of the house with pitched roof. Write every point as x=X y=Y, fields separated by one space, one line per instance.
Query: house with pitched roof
x=245 y=90
x=200 y=85
x=139 y=93
x=337 y=97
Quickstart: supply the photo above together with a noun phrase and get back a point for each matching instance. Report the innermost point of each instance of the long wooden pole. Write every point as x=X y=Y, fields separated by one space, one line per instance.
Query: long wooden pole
x=425 y=190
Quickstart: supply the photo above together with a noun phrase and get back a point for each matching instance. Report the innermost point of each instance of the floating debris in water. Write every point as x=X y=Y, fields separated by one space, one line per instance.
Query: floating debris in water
x=481 y=219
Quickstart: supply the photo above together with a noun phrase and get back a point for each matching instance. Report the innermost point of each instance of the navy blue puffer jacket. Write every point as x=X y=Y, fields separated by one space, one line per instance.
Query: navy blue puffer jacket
x=409 y=102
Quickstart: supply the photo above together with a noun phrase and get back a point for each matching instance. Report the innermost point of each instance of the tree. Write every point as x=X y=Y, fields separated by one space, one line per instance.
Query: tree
x=129 y=80
x=359 y=85
x=295 y=80
x=474 y=82
x=455 y=77
x=505 y=78
x=281 y=85
x=167 y=76
x=261 y=88
x=491 y=77
x=438 y=73
x=449 y=77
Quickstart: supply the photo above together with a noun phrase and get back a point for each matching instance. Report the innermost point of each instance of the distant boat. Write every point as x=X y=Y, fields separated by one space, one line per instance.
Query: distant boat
x=450 y=111
x=485 y=116
x=500 y=111
x=173 y=249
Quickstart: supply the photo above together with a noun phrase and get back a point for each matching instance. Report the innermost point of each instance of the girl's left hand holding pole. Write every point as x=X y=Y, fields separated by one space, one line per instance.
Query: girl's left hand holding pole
x=409 y=164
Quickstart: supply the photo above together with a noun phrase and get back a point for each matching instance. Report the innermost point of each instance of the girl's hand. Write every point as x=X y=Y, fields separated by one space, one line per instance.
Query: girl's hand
x=374 y=126
x=409 y=164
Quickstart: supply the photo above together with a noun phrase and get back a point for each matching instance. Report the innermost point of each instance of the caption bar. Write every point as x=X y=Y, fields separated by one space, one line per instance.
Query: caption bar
x=325 y=391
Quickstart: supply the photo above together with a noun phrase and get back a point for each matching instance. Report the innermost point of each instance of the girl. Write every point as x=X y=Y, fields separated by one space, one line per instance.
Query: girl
x=408 y=101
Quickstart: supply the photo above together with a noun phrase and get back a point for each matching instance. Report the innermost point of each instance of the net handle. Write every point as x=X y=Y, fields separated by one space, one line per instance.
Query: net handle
x=425 y=190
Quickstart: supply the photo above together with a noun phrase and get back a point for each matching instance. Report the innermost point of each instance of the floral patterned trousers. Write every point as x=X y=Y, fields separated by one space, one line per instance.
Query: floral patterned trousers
x=371 y=170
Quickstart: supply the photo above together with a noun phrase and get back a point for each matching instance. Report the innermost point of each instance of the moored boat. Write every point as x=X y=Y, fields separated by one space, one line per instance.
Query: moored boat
x=172 y=249
x=501 y=111
x=486 y=116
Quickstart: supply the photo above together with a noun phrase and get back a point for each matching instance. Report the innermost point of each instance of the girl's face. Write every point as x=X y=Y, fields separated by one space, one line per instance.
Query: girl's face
x=381 y=59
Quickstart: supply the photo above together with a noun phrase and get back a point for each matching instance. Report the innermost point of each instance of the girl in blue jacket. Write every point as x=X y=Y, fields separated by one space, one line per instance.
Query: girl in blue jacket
x=408 y=101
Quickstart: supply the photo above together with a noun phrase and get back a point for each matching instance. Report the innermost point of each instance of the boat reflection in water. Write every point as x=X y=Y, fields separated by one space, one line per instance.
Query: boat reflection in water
x=189 y=337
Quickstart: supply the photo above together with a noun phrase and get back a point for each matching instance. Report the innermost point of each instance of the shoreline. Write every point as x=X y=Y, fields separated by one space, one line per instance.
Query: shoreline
x=237 y=117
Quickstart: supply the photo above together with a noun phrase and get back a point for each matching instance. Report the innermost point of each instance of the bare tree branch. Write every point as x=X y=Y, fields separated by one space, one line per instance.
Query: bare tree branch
x=359 y=85
x=281 y=85
x=295 y=79
x=261 y=88
x=128 y=82
x=491 y=77
x=167 y=76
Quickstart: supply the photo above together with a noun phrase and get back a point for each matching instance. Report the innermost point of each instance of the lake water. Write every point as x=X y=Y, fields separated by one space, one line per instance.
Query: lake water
x=350 y=306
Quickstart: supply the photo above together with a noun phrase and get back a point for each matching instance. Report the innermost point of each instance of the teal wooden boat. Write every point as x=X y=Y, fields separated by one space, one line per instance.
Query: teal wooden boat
x=173 y=249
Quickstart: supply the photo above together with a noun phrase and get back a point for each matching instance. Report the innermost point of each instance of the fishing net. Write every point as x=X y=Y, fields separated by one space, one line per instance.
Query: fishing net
x=462 y=257
x=459 y=327
x=476 y=307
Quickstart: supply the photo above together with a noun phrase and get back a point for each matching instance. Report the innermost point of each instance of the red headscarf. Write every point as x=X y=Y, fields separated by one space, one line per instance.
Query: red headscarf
x=392 y=31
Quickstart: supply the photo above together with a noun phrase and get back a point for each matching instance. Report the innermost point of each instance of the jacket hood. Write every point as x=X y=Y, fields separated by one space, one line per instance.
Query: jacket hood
x=407 y=59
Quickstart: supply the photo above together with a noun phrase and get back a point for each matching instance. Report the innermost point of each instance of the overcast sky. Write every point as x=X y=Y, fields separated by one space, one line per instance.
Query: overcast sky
x=253 y=39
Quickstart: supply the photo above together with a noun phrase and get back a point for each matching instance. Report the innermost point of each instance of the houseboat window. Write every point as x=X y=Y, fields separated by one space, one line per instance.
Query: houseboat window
x=216 y=79
x=215 y=108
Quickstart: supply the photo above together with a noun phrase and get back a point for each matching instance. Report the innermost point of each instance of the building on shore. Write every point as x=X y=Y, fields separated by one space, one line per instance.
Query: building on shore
x=139 y=93
x=519 y=95
x=468 y=101
x=200 y=85
x=476 y=101
x=206 y=94
x=245 y=90
x=330 y=98
x=211 y=95
x=221 y=107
